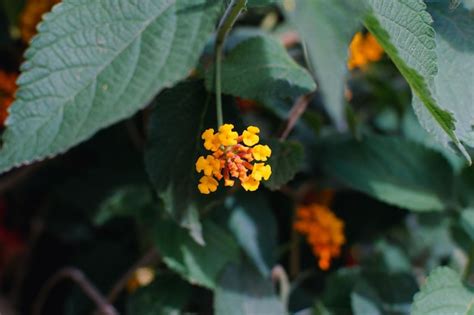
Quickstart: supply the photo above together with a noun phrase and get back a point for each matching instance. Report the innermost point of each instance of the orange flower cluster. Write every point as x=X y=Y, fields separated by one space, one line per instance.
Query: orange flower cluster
x=363 y=50
x=32 y=14
x=324 y=232
x=7 y=93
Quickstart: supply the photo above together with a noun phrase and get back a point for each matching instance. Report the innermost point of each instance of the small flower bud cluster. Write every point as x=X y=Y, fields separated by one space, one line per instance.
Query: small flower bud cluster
x=363 y=50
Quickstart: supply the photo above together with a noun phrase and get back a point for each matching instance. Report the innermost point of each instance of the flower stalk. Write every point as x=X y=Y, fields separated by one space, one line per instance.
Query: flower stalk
x=228 y=20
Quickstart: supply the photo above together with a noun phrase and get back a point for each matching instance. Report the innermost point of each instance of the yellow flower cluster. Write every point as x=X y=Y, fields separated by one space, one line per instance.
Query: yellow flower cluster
x=32 y=15
x=231 y=159
x=7 y=93
x=363 y=50
x=324 y=232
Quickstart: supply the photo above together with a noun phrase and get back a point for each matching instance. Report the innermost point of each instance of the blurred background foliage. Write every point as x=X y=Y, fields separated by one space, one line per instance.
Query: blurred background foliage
x=404 y=202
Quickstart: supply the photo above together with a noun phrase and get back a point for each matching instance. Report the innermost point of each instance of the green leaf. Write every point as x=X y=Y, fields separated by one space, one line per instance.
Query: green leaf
x=340 y=284
x=453 y=82
x=286 y=160
x=319 y=309
x=365 y=300
x=392 y=170
x=465 y=187
x=242 y=290
x=429 y=233
x=254 y=226
x=95 y=63
x=413 y=131
x=403 y=28
x=467 y=222
x=128 y=201
x=167 y=295
x=195 y=263
x=443 y=293
x=175 y=127
x=327 y=28
x=260 y=69
x=261 y=3
x=364 y=289
x=394 y=291
x=389 y=257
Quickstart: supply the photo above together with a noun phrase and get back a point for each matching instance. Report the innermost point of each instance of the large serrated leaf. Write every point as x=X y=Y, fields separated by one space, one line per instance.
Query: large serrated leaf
x=96 y=62
x=260 y=69
x=286 y=160
x=167 y=295
x=175 y=126
x=443 y=293
x=128 y=201
x=392 y=170
x=242 y=290
x=453 y=82
x=255 y=228
x=327 y=28
x=197 y=264
x=403 y=28
x=259 y=3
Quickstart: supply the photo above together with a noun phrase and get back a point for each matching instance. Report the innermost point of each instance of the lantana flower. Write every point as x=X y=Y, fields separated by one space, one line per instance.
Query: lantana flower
x=234 y=157
x=324 y=232
x=363 y=50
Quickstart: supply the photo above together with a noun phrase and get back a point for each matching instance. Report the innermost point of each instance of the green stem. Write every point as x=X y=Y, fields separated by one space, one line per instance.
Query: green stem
x=230 y=16
x=220 y=116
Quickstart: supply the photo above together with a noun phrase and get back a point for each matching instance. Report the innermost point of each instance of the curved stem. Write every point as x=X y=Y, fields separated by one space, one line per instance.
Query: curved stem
x=80 y=279
x=280 y=276
x=228 y=20
x=220 y=116
x=296 y=112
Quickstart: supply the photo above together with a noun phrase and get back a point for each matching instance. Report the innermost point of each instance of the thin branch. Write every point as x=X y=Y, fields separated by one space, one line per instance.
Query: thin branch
x=280 y=276
x=151 y=257
x=81 y=280
x=296 y=112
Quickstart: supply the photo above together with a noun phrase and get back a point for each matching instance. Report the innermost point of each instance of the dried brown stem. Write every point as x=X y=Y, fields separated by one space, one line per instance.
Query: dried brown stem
x=81 y=280
x=296 y=112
